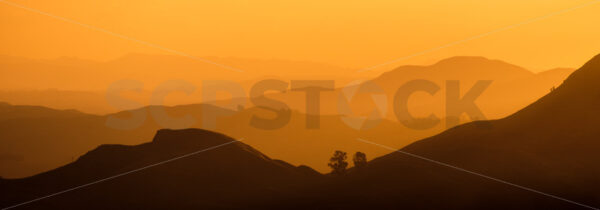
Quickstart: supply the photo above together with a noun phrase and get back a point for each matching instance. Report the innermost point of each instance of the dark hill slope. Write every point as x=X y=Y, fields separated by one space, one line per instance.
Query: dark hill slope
x=223 y=174
x=36 y=139
x=550 y=146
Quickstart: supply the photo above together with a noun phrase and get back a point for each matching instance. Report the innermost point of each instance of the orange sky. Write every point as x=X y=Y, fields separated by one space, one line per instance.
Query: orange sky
x=349 y=33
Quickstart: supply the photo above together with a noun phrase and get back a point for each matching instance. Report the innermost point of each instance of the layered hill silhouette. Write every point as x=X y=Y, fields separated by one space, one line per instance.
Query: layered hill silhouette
x=72 y=88
x=9 y=112
x=550 y=146
x=512 y=87
x=36 y=139
x=208 y=170
x=65 y=83
x=543 y=156
x=31 y=145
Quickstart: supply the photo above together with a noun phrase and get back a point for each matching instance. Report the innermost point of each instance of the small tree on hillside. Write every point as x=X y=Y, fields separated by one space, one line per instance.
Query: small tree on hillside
x=360 y=160
x=338 y=162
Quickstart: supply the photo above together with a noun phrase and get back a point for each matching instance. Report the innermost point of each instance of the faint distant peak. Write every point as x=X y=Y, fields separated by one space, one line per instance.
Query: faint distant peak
x=478 y=61
x=461 y=67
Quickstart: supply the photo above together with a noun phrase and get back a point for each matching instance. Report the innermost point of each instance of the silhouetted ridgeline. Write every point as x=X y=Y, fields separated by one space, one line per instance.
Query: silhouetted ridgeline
x=46 y=138
x=232 y=175
x=551 y=146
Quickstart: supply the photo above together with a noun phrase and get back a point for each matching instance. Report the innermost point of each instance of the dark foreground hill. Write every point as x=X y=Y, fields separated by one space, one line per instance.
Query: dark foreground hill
x=35 y=139
x=224 y=173
x=552 y=146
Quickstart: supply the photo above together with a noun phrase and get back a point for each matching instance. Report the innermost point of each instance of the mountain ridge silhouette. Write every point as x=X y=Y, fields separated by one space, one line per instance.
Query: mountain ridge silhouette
x=218 y=174
x=549 y=146
x=521 y=161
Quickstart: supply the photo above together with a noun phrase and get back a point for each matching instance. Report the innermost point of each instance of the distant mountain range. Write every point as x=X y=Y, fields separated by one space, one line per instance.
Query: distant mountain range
x=36 y=139
x=77 y=74
x=512 y=87
x=541 y=157
x=27 y=81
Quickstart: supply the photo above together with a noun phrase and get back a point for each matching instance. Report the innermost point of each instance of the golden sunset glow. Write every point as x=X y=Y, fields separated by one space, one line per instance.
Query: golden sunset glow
x=354 y=34
x=299 y=104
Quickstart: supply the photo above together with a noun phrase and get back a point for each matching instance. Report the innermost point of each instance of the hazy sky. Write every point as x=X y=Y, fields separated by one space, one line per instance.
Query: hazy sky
x=349 y=33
